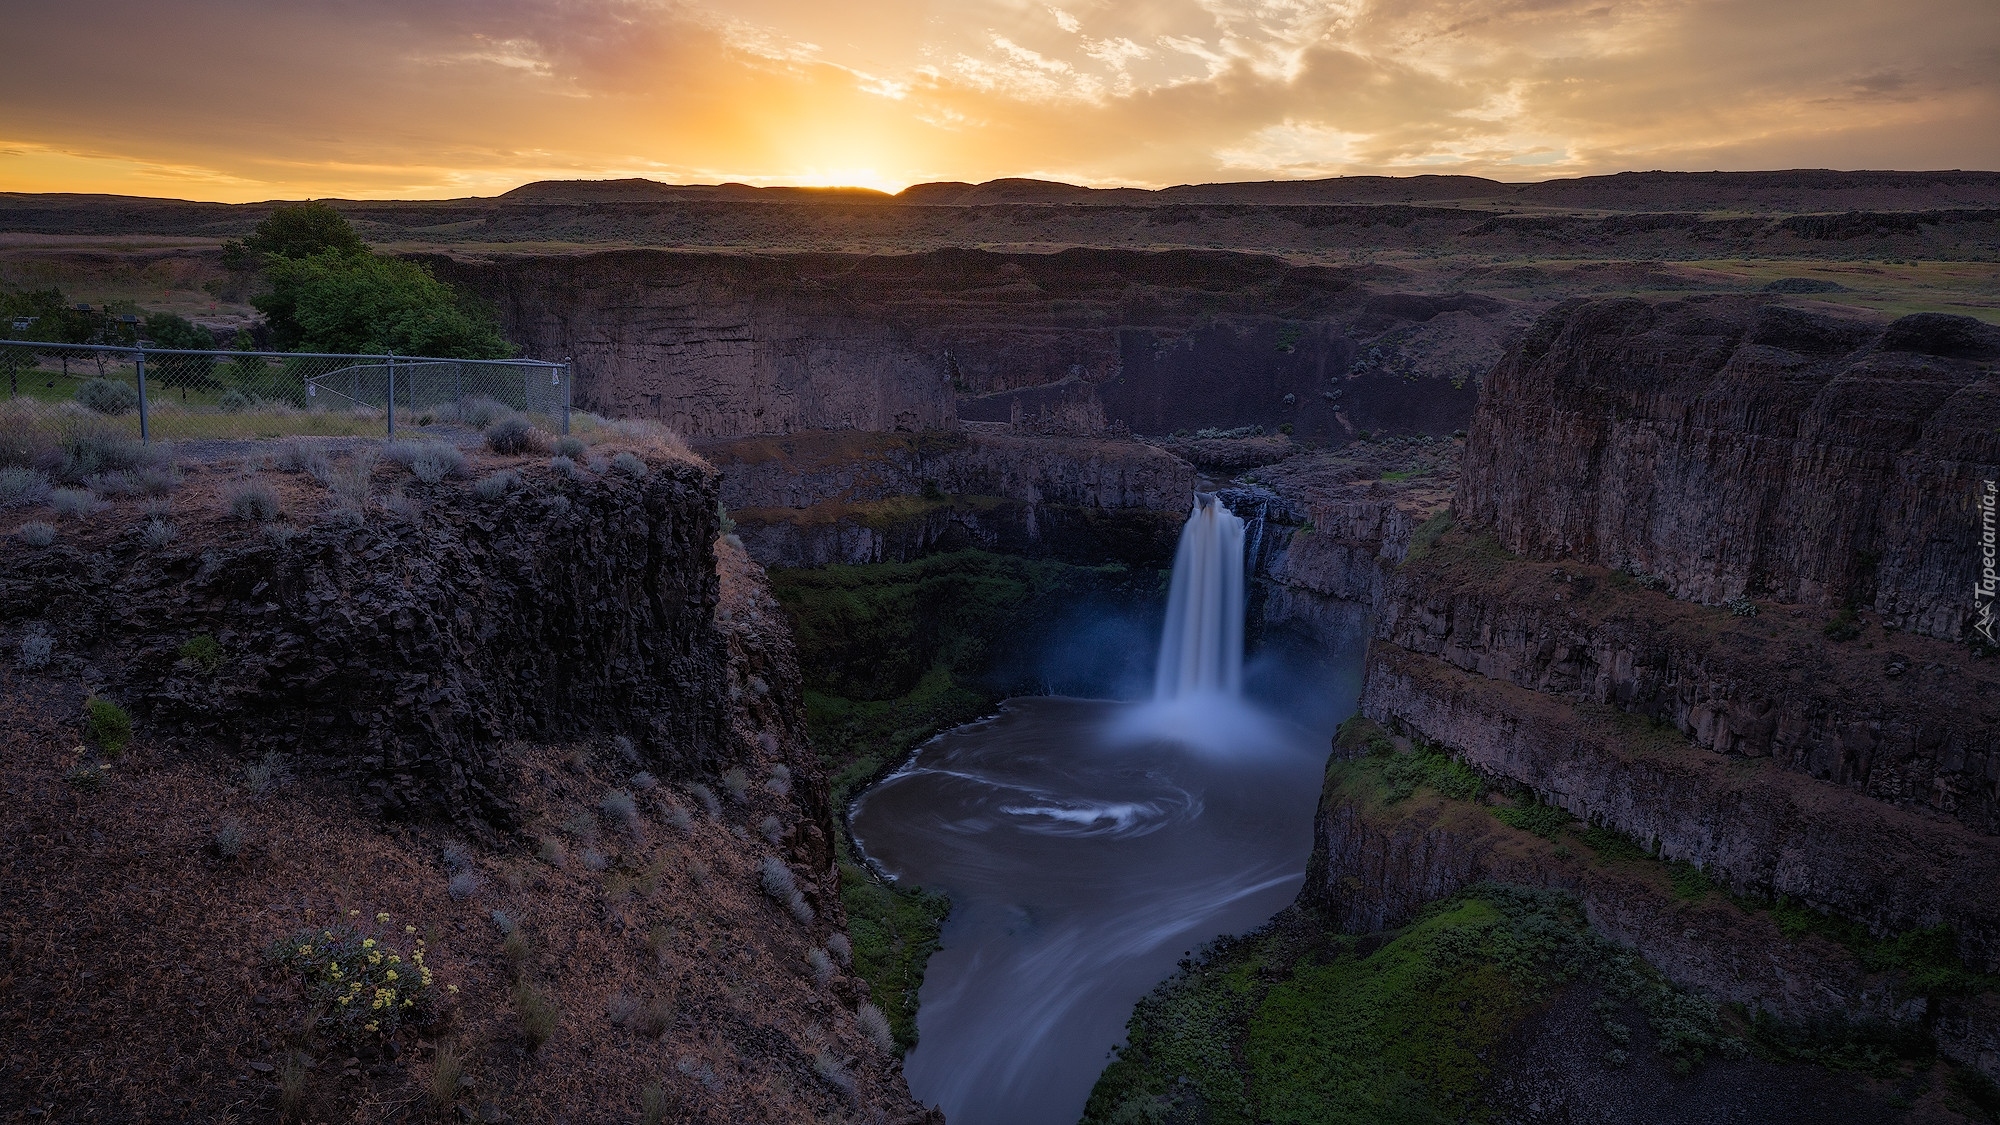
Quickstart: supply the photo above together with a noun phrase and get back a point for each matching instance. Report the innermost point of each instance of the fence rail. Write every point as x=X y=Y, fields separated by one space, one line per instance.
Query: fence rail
x=167 y=394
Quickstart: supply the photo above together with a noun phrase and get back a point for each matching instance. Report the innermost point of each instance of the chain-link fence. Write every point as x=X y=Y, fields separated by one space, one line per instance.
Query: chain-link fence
x=165 y=395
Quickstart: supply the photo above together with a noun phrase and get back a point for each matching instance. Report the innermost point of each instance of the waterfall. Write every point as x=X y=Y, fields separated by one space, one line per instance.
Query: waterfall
x=1201 y=648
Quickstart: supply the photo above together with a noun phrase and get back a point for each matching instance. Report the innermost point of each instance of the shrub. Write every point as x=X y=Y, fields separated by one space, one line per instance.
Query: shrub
x=517 y=949
x=653 y=1104
x=875 y=1026
x=565 y=468
x=619 y=806
x=428 y=461
x=644 y=782
x=35 y=533
x=358 y=984
x=678 y=818
x=777 y=882
x=270 y=772
x=447 y=1071
x=698 y=871
x=1845 y=627
x=202 y=653
x=22 y=486
x=343 y=515
x=292 y=1076
x=736 y=783
x=660 y=942
x=293 y=455
x=504 y=922
x=350 y=480
x=279 y=535
x=620 y=1008
x=772 y=829
x=463 y=886
x=653 y=1020
x=252 y=502
x=630 y=465
x=513 y=435
x=495 y=485
x=479 y=411
x=569 y=447
x=73 y=501
x=234 y=401
x=538 y=1014
x=108 y=724
x=780 y=781
x=841 y=950
x=1546 y=821
x=35 y=649
x=88 y=451
x=832 y=1072
x=709 y=804
x=821 y=966
x=594 y=859
x=551 y=852
x=156 y=480
x=106 y=396
x=228 y=840
x=86 y=778
x=158 y=533
x=1740 y=607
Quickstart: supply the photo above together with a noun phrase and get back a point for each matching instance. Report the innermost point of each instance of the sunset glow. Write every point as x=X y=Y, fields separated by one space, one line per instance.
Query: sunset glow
x=439 y=98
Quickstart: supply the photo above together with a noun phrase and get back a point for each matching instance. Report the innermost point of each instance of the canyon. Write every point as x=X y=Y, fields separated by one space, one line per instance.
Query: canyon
x=1658 y=525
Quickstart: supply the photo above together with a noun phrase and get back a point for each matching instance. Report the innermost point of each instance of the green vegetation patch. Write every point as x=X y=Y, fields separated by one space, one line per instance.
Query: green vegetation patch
x=1297 y=1024
x=894 y=931
x=108 y=725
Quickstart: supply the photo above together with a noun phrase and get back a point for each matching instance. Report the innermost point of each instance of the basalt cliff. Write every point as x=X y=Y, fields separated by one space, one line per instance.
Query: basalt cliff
x=1699 y=614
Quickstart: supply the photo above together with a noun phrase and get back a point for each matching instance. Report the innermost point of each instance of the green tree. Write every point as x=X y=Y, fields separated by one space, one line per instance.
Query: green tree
x=302 y=230
x=183 y=373
x=335 y=302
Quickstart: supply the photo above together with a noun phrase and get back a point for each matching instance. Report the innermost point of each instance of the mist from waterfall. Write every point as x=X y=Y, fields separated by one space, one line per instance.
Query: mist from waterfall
x=1201 y=645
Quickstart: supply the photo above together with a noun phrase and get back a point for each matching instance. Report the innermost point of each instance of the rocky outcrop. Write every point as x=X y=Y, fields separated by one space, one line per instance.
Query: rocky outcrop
x=1079 y=340
x=403 y=651
x=1375 y=867
x=1735 y=448
x=715 y=344
x=1754 y=827
x=1903 y=719
x=845 y=497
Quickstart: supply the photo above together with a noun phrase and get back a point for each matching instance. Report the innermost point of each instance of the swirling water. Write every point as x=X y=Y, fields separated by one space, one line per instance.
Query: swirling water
x=1086 y=850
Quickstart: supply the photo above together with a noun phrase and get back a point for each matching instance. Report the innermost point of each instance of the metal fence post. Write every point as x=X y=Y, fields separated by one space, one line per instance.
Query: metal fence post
x=145 y=433
x=392 y=394
x=566 y=375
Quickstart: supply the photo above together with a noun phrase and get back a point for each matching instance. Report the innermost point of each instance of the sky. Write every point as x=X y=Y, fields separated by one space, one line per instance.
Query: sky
x=239 y=100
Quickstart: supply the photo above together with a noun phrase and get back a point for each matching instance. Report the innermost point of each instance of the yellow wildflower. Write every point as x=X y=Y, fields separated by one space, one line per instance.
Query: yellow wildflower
x=353 y=913
x=367 y=943
x=345 y=999
x=390 y=975
x=305 y=950
x=408 y=1003
x=451 y=988
x=374 y=958
x=409 y=929
x=395 y=960
x=370 y=1025
x=382 y=917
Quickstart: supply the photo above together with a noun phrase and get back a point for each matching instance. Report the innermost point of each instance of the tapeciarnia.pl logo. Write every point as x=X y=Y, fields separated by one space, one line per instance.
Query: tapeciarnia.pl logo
x=1987 y=588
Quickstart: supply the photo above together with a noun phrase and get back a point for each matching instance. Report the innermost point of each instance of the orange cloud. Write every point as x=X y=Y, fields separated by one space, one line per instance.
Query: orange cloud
x=220 y=99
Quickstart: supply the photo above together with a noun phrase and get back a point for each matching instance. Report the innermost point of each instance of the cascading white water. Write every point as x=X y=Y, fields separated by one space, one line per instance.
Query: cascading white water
x=1201 y=648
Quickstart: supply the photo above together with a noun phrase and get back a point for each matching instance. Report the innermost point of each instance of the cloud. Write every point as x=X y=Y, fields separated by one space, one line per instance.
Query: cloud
x=240 y=99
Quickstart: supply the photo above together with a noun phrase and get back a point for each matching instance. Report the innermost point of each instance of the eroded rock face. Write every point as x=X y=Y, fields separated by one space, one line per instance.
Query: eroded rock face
x=1756 y=828
x=1081 y=340
x=404 y=652
x=1737 y=448
x=1906 y=720
x=715 y=344
x=824 y=497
